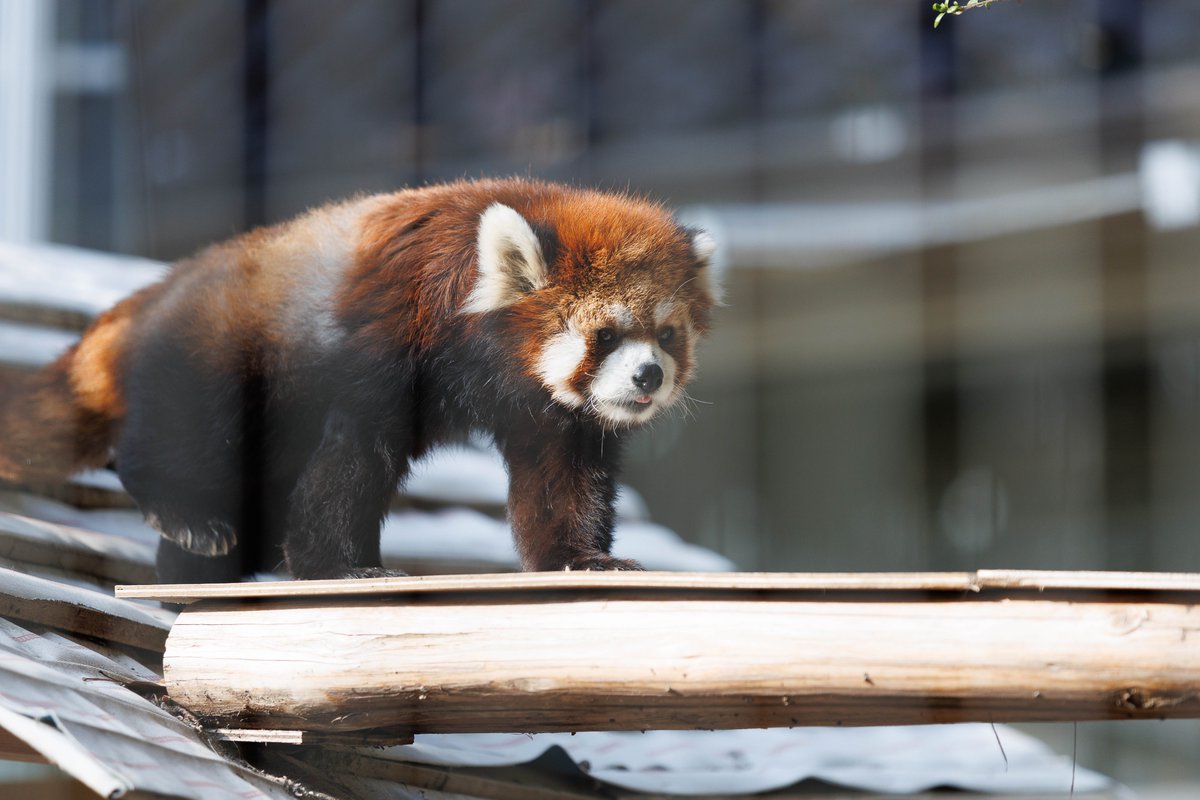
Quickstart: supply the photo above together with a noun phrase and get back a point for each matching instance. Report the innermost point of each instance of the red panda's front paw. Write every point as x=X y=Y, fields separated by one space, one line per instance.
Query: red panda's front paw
x=602 y=562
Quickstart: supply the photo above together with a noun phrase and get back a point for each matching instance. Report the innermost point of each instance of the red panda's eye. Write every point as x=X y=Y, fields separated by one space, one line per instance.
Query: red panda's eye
x=606 y=336
x=666 y=334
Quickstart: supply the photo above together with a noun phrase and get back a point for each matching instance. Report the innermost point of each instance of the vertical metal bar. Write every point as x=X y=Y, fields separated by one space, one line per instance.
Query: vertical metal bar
x=588 y=76
x=26 y=115
x=420 y=67
x=255 y=109
x=941 y=413
x=95 y=112
x=763 y=548
x=255 y=143
x=1126 y=380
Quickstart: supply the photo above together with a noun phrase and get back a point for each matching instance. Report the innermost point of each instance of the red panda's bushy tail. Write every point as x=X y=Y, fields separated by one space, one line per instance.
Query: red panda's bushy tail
x=63 y=417
x=44 y=434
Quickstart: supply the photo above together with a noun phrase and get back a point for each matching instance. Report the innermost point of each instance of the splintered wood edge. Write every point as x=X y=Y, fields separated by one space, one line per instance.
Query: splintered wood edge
x=811 y=582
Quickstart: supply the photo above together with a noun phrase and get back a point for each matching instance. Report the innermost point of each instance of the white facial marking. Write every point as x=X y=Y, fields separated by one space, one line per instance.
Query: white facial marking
x=560 y=358
x=663 y=312
x=510 y=260
x=613 y=391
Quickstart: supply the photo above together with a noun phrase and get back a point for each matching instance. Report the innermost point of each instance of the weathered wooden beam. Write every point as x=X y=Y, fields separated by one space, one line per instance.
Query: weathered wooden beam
x=560 y=652
x=82 y=611
x=940 y=584
x=104 y=556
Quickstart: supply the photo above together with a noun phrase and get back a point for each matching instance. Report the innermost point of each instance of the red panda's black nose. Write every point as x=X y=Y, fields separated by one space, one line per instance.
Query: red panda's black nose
x=649 y=377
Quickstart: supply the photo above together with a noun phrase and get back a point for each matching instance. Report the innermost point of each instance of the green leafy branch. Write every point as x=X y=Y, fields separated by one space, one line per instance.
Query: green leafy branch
x=957 y=9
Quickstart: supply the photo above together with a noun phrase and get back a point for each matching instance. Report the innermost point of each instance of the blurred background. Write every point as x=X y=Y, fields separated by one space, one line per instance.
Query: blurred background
x=963 y=327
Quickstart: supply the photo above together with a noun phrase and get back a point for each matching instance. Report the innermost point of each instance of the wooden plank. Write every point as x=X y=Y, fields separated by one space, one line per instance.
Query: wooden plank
x=611 y=661
x=933 y=583
x=559 y=581
x=82 y=611
x=98 y=555
x=14 y=749
x=71 y=279
x=26 y=346
x=68 y=319
x=1097 y=581
x=93 y=489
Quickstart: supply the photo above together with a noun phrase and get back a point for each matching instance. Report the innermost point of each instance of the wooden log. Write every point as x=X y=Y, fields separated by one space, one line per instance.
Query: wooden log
x=646 y=650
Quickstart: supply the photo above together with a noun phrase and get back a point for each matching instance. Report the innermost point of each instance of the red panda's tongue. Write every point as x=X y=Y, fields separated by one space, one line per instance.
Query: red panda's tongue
x=643 y=399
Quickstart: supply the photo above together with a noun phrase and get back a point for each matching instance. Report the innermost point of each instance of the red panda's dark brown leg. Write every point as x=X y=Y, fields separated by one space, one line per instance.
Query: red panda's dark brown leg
x=562 y=485
x=338 y=503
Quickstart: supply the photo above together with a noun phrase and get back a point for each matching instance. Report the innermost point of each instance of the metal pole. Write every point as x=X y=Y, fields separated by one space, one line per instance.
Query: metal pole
x=26 y=91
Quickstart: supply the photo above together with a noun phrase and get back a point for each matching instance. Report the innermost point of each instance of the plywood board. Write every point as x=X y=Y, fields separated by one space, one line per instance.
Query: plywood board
x=79 y=610
x=932 y=583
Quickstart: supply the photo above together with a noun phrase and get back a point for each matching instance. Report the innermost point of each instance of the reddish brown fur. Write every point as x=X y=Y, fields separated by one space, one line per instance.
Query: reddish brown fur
x=600 y=239
x=390 y=275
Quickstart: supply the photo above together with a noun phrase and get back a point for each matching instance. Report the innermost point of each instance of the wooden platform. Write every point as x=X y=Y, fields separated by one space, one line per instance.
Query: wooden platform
x=627 y=651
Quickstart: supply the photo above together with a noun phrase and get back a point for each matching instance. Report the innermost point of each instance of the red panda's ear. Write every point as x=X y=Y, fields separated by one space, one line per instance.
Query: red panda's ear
x=510 y=261
x=704 y=247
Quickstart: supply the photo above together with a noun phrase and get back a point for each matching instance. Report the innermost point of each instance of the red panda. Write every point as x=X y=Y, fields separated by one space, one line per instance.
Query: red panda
x=267 y=397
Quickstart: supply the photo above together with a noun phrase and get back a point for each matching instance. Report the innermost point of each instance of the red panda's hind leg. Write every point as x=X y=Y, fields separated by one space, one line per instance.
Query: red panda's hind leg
x=194 y=452
x=204 y=537
x=192 y=502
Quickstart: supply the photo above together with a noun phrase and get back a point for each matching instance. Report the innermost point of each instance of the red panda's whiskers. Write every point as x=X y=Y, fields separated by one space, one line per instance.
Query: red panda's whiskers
x=680 y=286
x=684 y=393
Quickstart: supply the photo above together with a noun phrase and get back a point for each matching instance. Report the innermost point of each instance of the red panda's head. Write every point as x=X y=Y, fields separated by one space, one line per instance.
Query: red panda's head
x=607 y=294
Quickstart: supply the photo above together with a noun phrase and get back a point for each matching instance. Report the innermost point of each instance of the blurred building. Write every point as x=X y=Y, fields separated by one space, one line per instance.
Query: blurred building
x=964 y=299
